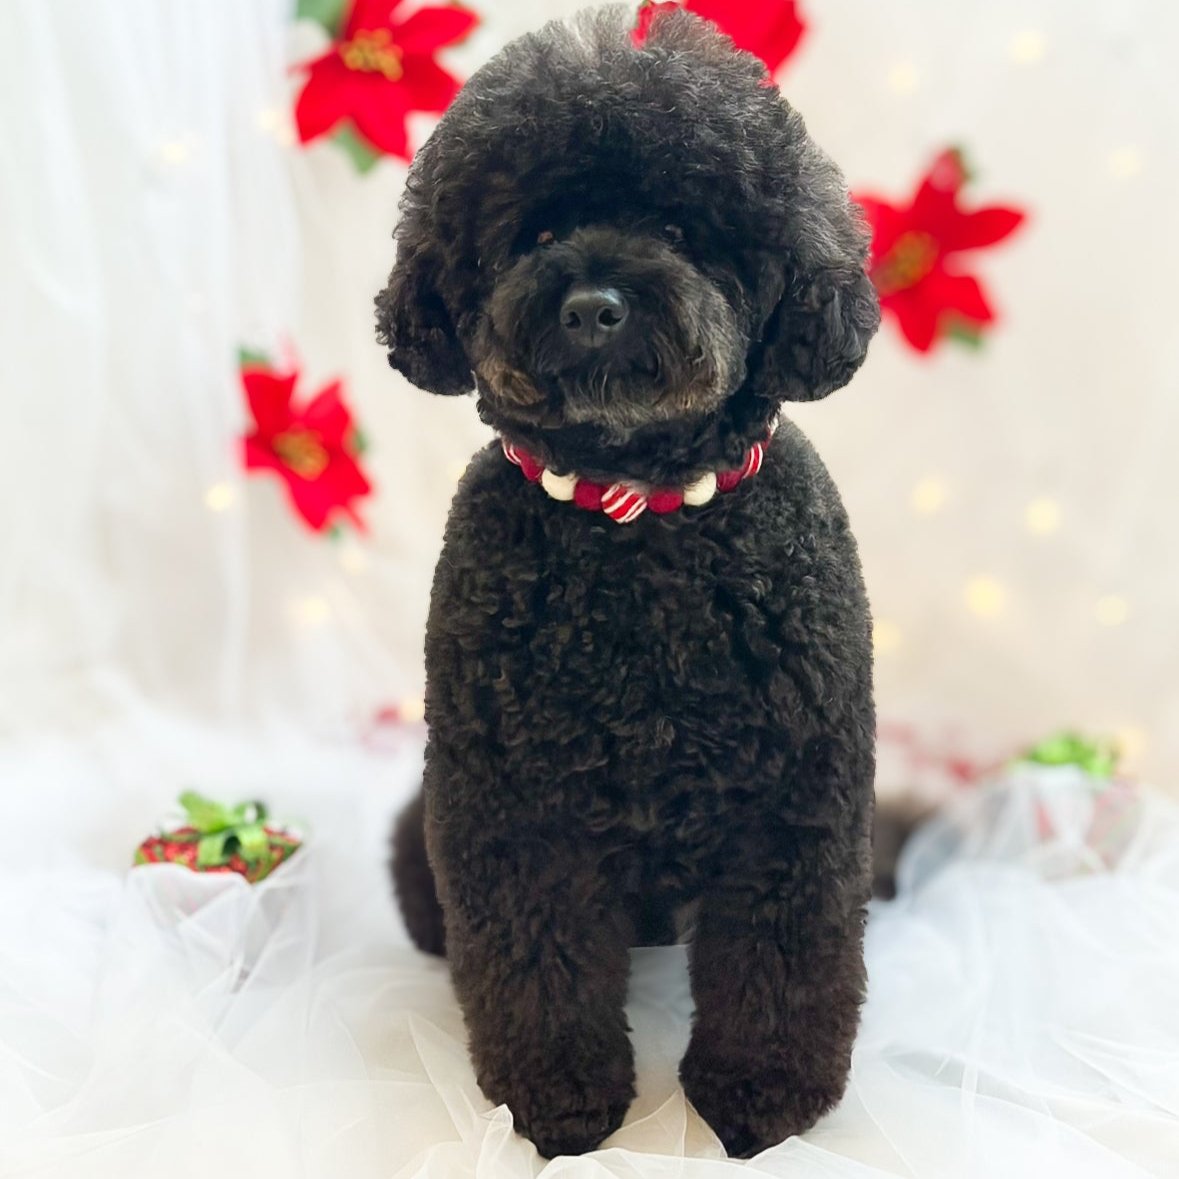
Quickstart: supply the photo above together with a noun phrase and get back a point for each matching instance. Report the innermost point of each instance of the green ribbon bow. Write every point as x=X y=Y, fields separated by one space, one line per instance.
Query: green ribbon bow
x=1099 y=759
x=226 y=831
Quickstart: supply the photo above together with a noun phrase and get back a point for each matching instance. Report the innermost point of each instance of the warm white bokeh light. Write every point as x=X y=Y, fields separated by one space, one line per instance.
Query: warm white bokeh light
x=1111 y=610
x=928 y=496
x=985 y=596
x=220 y=497
x=1042 y=516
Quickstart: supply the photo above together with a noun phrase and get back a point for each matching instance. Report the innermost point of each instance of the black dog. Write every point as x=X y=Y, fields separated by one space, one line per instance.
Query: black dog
x=635 y=254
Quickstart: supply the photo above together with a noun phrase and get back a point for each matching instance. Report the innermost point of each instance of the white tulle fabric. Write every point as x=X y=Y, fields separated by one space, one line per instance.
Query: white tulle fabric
x=1021 y=1019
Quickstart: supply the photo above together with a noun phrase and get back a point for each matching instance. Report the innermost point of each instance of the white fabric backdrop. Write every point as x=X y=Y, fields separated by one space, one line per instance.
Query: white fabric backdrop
x=157 y=215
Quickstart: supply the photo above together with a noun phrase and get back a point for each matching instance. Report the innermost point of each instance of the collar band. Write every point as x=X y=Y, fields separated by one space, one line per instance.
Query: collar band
x=625 y=502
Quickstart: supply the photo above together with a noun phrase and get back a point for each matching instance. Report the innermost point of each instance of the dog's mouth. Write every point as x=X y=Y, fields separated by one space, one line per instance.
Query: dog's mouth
x=650 y=392
x=666 y=379
x=644 y=392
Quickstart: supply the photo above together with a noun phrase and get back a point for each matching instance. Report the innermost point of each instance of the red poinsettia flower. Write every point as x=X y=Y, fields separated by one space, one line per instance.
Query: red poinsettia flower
x=769 y=29
x=379 y=70
x=912 y=249
x=313 y=446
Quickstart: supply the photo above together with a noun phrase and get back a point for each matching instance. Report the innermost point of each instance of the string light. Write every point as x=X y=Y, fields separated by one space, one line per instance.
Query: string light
x=220 y=497
x=311 y=610
x=1125 y=162
x=1042 y=516
x=1111 y=610
x=886 y=636
x=1026 y=47
x=928 y=496
x=903 y=78
x=353 y=558
x=1131 y=742
x=276 y=122
x=411 y=709
x=985 y=596
x=175 y=152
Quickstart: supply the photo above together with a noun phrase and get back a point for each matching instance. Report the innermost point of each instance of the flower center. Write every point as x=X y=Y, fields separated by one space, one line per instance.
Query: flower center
x=371 y=51
x=302 y=452
x=906 y=264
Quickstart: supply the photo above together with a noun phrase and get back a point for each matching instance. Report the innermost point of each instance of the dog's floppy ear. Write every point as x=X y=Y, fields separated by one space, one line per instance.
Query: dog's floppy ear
x=818 y=333
x=413 y=322
x=823 y=333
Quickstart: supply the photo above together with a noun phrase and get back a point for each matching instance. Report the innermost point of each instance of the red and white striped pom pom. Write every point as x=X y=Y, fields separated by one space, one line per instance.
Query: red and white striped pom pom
x=753 y=460
x=623 y=504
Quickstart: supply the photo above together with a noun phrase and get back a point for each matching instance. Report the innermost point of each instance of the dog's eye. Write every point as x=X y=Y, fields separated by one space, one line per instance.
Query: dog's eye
x=674 y=234
x=545 y=238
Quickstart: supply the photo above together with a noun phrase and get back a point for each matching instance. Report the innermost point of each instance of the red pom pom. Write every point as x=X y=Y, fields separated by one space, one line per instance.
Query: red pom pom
x=531 y=467
x=727 y=480
x=588 y=495
x=666 y=500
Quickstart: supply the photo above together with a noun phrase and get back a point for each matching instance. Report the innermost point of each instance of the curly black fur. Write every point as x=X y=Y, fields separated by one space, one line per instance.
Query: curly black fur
x=629 y=720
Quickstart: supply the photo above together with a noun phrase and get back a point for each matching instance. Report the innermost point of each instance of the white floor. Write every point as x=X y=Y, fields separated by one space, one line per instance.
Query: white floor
x=1023 y=1016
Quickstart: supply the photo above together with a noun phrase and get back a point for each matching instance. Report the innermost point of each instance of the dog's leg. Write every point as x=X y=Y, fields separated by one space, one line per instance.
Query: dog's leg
x=778 y=978
x=414 y=881
x=540 y=965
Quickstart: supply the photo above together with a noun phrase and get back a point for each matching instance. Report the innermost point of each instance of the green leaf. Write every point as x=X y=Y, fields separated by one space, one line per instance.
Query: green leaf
x=965 y=163
x=962 y=332
x=329 y=13
x=363 y=155
x=358 y=440
x=252 y=841
x=250 y=358
x=205 y=814
x=213 y=850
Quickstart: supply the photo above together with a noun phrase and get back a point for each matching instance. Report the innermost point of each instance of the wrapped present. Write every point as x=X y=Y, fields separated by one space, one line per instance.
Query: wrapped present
x=219 y=838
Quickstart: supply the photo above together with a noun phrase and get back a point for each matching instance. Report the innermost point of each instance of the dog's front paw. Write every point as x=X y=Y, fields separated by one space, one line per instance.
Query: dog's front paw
x=568 y=1111
x=573 y=1131
x=755 y=1106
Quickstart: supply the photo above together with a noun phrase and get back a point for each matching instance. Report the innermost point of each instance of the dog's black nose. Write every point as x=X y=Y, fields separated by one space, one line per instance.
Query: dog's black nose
x=592 y=316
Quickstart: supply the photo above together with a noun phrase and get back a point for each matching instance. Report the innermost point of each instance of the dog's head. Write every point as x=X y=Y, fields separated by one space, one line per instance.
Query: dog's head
x=609 y=236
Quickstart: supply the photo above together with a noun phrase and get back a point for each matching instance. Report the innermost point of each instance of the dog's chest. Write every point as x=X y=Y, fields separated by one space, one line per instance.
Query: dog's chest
x=648 y=674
